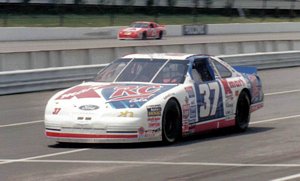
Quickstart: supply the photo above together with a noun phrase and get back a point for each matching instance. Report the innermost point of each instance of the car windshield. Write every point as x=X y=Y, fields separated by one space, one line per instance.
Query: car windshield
x=144 y=70
x=139 y=25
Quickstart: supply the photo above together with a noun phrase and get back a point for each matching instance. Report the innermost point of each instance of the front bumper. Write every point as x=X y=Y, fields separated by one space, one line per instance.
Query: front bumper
x=129 y=37
x=99 y=132
x=98 y=138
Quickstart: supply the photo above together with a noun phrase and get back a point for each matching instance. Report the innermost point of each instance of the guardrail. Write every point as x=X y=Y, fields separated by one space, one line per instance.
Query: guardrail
x=46 y=79
x=55 y=78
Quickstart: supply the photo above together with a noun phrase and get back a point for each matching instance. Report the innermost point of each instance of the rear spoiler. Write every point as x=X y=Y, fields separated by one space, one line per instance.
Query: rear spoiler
x=246 y=69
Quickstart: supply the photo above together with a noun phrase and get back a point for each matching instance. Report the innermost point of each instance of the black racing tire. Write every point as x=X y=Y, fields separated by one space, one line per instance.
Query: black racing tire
x=171 y=122
x=160 y=36
x=144 y=36
x=242 y=115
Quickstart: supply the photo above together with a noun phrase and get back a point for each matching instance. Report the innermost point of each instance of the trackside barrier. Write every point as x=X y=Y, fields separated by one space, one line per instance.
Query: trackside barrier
x=46 y=79
x=55 y=78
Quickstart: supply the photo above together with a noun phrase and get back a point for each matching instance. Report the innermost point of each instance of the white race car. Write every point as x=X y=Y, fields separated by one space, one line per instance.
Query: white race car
x=155 y=97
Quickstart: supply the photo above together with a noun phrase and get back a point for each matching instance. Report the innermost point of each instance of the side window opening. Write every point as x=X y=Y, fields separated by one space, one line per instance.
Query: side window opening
x=201 y=71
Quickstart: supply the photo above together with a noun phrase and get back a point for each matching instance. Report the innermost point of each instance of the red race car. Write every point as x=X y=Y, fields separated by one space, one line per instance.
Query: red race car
x=142 y=30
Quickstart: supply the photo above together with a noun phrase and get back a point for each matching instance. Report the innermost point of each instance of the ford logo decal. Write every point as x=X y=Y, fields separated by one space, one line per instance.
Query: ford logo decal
x=89 y=107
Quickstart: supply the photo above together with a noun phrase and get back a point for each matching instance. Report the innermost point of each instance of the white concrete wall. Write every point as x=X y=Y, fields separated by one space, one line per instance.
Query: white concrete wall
x=43 y=33
x=253 y=28
x=62 y=58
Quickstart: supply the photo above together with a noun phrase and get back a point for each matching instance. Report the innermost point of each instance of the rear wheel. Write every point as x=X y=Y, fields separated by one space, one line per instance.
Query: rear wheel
x=144 y=36
x=242 y=117
x=171 y=123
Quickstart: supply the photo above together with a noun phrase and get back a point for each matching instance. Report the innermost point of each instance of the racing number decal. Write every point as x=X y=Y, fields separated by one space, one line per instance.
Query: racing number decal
x=56 y=111
x=210 y=93
x=151 y=32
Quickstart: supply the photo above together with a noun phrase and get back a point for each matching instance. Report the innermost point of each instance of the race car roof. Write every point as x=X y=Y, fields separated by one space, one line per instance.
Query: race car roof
x=176 y=56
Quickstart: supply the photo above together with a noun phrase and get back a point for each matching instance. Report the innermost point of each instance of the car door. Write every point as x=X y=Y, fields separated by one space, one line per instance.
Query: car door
x=231 y=86
x=208 y=91
x=151 y=30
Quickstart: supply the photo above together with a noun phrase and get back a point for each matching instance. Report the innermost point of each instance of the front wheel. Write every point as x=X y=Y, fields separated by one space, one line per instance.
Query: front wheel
x=242 y=116
x=160 y=36
x=171 y=123
x=144 y=36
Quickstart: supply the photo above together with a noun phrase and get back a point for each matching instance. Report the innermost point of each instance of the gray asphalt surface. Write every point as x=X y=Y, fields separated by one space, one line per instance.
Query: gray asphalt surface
x=26 y=46
x=268 y=150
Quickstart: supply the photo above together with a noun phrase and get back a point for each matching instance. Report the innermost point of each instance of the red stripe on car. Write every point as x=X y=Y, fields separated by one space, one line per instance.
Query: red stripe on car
x=76 y=135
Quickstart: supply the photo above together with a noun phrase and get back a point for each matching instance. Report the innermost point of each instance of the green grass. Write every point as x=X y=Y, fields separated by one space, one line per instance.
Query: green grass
x=122 y=20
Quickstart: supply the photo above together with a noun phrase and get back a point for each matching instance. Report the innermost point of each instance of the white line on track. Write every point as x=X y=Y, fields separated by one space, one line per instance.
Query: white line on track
x=152 y=163
x=42 y=156
x=34 y=159
x=290 y=177
x=275 y=119
x=282 y=92
x=20 y=124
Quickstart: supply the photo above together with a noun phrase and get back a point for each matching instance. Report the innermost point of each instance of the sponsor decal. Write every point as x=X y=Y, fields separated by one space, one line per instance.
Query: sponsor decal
x=194 y=29
x=236 y=83
x=132 y=96
x=154 y=110
x=134 y=93
x=153 y=133
x=88 y=107
x=229 y=99
x=185 y=111
x=154 y=122
x=126 y=114
x=190 y=91
x=81 y=92
x=141 y=132
x=193 y=111
x=56 y=111
x=154 y=116
x=226 y=87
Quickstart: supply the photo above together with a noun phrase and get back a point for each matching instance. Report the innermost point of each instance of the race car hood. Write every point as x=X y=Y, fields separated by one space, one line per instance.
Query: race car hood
x=130 y=29
x=118 y=96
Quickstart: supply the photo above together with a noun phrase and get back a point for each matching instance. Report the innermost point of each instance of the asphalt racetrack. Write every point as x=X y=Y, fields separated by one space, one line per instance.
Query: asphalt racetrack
x=269 y=150
x=27 y=46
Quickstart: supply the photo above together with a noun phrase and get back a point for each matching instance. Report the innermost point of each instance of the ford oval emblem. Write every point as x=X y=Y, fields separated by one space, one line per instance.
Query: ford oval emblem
x=89 y=107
